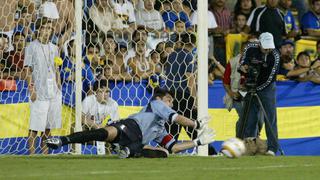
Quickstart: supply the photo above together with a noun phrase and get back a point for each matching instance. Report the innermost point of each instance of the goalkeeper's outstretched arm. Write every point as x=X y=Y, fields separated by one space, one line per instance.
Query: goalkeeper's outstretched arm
x=206 y=136
x=184 y=121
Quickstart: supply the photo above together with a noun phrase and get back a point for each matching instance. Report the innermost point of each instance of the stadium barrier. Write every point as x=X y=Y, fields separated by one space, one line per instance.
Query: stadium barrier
x=298 y=106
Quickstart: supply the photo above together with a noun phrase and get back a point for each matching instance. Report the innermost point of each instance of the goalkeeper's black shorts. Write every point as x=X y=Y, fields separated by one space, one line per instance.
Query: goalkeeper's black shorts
x=129 y=135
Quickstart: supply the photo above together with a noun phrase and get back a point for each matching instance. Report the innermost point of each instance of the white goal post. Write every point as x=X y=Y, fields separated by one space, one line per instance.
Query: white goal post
x=202 y=79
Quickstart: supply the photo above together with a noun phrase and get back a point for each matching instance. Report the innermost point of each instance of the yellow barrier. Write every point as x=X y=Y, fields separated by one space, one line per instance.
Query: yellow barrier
x=306 y=45
x=233 y=45
x=293 y=122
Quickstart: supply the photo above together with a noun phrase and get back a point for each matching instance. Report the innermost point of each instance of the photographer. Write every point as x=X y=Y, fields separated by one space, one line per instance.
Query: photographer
x=260 y=63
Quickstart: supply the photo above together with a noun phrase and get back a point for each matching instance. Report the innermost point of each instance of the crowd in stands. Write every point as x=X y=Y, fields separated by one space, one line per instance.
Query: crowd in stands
x=130 y=40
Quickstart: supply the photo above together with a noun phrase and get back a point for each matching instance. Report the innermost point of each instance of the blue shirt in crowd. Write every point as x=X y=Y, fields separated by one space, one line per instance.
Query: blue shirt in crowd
x=67 y=68
x=170 y=17
x=290 y=22
x=310 y=21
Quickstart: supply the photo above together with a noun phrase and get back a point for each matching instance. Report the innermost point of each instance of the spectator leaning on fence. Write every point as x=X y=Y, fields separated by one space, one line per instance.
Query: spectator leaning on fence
x=309 y=71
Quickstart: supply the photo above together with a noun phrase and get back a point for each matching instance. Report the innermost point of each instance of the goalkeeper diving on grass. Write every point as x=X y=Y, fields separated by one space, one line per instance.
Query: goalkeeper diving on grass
x=134 y=133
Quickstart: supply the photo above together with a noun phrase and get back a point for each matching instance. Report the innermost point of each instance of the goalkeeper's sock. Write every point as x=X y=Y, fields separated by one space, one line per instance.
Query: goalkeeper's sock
x=85 y=136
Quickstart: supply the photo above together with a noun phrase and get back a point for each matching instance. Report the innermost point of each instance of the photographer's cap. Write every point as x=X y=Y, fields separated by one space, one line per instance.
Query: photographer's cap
x=266 y=40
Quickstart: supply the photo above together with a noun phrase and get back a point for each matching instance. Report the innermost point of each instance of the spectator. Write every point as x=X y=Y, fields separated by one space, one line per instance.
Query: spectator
x=110 y=21
x=124 y=9
x=180 y=71
x=179 y=28
x=152 y=21
x=25 y=16
x=140 y=34
x=155 y=80
x=155 y=62
x=306 y=70
x=94 y=60
x=301 y=6
x=16 y=57
x=286 y=60
x=64 y=24
x=150 y=18
x=4 y=64
x=268 y=18
x=244 y=7
x=287 y=48
x=99 y=106
x=286 y=70
x=222 y=14
x=49 y=10
x=224 y=21
x=139 y=65
x=310 y=23
x=240 y=24
x=174 y=15
x=187 y=8
x=67 y=74
x=43 y=84
x=114 y=58
x=292 y=29
x=163 y=7
x=10 y=12
x=168 y=49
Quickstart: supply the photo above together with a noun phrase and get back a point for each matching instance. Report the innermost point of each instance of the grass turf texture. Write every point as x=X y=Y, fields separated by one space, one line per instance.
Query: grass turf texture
x=174 y=167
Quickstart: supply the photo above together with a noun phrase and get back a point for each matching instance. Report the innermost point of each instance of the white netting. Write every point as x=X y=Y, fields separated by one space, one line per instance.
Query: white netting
x=128 y=43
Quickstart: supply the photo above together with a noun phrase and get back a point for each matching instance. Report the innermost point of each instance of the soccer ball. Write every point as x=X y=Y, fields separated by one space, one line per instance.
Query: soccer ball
x=233 y=148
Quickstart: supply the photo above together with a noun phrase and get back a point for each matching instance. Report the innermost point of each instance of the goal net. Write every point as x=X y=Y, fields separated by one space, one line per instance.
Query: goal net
x=133 y=45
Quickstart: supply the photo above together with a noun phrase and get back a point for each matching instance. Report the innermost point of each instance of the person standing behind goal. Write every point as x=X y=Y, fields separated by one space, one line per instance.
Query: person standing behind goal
x=44 y=85
x=180 y=70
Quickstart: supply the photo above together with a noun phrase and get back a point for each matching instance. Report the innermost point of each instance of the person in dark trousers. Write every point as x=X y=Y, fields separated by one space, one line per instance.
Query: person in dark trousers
x=266 y=58
x=180 y=70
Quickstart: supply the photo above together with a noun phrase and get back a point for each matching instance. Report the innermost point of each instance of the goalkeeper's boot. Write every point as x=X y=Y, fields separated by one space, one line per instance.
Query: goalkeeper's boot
x=53 y=143
x=154 y=153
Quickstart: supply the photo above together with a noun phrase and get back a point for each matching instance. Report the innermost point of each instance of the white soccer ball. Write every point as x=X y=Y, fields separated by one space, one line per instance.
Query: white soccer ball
x=233 y=148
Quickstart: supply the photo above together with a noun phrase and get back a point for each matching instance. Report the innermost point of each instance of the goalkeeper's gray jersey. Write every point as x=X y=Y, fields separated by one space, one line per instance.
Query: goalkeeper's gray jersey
x=151 y=120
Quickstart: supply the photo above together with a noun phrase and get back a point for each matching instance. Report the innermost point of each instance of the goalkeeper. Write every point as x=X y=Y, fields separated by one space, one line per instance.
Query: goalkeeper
x=134 y=133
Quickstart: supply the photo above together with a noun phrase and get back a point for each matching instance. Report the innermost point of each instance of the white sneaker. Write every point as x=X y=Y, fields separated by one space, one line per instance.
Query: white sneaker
x=270 y=153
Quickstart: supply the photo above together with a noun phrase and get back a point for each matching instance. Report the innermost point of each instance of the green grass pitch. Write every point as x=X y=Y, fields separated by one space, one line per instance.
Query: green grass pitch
x=174 y=167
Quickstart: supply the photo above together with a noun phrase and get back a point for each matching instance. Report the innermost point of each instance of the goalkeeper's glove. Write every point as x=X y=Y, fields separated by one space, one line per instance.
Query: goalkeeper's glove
x=205 y=136
x=202 y=122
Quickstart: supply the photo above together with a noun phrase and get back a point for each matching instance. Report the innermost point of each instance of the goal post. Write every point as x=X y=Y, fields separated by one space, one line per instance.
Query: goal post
x=202 y=59
x=78 y=44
